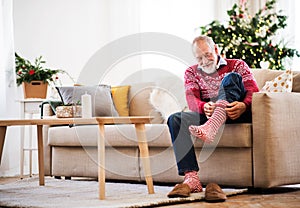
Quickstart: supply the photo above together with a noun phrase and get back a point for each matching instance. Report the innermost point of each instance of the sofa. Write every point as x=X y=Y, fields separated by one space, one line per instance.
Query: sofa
x=261 y=154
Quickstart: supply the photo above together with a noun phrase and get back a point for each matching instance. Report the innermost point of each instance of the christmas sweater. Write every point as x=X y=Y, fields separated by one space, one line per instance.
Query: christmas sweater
x=201 y=87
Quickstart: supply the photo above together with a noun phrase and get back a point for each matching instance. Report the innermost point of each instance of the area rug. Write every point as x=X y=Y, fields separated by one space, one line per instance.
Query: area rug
x=84 y=193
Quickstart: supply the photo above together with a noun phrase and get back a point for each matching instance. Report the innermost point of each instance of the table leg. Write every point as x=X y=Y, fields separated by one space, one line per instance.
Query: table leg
x=2 y=138
x=101 y=161
x=30 y=147
x=143 y=146
x=41 y=154
x=22 y=138
x=22 y=156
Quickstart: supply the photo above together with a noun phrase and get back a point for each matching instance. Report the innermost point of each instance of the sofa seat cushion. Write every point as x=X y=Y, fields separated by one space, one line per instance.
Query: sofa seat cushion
x=123 y=135
x=234 y=135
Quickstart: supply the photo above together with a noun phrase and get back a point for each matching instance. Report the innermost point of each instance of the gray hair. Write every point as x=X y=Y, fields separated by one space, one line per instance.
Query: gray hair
x=206 y=39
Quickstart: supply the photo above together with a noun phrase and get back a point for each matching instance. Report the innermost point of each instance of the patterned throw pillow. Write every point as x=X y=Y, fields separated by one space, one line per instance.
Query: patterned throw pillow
x=281 y=83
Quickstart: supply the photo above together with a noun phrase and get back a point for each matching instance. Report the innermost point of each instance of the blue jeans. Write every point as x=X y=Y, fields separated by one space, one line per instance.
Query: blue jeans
x=231 y=89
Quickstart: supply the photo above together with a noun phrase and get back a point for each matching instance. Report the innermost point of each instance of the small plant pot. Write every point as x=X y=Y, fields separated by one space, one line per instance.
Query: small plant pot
x=35 y=89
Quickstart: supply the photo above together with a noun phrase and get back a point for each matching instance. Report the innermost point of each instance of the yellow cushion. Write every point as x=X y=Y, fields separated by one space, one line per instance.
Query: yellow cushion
x=120 y=98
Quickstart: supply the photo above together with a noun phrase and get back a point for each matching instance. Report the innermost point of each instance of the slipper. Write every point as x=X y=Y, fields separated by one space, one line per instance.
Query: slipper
x=214 y=193
x=180 y=190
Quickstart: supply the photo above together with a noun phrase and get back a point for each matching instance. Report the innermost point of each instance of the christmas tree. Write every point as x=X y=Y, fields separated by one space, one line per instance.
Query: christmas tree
x=251 y=38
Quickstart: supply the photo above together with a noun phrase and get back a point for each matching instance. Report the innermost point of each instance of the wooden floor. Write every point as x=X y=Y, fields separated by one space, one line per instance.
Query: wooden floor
x=279 y=197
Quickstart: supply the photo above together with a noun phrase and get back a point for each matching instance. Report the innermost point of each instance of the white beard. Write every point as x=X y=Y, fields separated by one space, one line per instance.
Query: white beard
x=210 y=69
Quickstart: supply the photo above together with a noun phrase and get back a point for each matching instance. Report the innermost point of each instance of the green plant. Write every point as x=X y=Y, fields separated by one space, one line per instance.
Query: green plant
x=27 y=72
x=252 y=38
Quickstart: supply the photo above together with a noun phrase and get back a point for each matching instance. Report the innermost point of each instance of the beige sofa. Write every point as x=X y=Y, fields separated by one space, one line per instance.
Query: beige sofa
x=262 y=154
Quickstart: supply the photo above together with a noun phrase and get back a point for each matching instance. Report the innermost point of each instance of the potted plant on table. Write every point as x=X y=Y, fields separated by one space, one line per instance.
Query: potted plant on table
x=34 y=77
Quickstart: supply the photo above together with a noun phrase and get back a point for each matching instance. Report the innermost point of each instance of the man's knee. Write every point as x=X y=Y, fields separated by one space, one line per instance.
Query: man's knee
x=174 y=118
x=232 y=77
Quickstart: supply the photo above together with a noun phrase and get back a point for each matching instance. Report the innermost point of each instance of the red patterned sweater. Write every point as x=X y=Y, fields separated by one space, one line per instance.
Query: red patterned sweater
x=201 y=87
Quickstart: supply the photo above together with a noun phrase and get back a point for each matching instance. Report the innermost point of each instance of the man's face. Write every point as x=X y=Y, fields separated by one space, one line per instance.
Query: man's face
x=206 y=56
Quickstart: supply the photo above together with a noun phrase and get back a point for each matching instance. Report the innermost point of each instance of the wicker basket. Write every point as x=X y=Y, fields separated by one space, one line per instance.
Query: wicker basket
x=35 y=89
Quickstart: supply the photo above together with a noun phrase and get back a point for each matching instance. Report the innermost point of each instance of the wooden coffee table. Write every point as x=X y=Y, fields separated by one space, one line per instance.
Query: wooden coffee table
x=138 y=121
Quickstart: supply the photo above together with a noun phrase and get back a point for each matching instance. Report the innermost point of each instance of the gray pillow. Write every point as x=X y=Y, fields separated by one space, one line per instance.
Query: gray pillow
x=102 y=102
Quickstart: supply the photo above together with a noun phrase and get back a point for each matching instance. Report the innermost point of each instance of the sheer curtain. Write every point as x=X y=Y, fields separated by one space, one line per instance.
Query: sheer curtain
x=291 y=34
x=9 y=108
x=7 y=75
x=223 y=6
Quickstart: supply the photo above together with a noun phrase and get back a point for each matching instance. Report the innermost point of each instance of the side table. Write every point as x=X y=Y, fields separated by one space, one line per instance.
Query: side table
x=29 y=107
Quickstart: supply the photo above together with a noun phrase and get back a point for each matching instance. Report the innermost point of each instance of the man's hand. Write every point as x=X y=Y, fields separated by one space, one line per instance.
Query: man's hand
x=235 y=109
x=209 y=109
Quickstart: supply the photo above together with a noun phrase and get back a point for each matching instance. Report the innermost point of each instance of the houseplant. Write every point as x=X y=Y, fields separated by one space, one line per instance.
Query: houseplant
x=34 y=77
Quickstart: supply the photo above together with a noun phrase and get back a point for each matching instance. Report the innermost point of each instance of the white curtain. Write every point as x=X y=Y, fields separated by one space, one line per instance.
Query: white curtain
x=223 y=6
x=290 y=35
x=9 y=108
x=221 y=9
x=7 y=72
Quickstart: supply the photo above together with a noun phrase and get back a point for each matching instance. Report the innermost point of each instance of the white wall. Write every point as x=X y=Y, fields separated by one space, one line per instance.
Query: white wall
x=66 y=33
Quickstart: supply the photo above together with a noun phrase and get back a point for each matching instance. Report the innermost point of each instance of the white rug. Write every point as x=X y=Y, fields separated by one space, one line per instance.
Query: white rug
x=84 y=193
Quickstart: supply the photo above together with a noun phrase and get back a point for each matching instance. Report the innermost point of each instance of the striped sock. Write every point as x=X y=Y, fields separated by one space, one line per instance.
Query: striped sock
x=192 y=180
x=208 y=131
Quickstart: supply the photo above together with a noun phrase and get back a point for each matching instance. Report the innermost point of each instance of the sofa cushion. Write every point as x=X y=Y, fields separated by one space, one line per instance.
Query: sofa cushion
x=102 y=103
x=115 y=135
x=281 y=83
x=139 y=102
x=263 y=75
x=120 y=98
x=234 y=135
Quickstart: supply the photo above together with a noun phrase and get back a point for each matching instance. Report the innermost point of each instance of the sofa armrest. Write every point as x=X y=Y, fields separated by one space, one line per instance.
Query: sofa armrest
x=276 y=134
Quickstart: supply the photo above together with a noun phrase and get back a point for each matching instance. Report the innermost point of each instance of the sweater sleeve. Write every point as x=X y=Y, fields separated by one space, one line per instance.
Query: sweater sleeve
x=192 y=91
